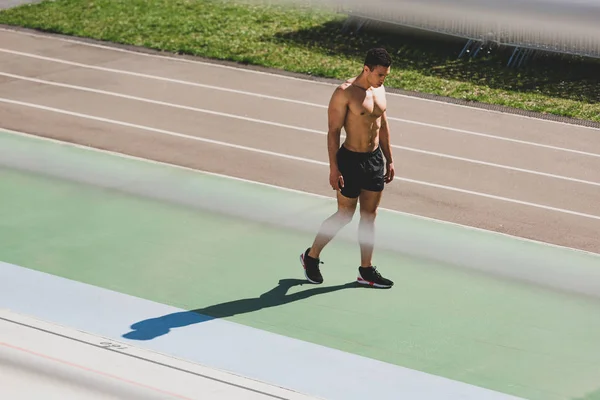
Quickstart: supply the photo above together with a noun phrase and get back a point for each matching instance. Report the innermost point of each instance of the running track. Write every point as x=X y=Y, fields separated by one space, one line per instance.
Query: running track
x=516 y=175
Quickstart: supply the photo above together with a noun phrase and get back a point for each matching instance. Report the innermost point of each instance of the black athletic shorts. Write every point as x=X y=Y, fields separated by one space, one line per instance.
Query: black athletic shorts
x=361 y=171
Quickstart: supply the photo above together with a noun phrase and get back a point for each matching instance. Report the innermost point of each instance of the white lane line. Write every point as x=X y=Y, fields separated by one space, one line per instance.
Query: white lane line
x=92 y=370
x=501 y=166
x=287 y=156
x=159 y=78
x=293 y=127
x=45 y=336
x=282 y=76
x=162 y=103
x=282 y=188
x=248 y=354
x=216 y=64
x=489 y=136
x=276 y=98
x=161 y=131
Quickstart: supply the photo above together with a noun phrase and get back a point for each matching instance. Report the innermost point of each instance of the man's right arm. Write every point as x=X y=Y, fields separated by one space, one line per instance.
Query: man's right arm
x=336 y=115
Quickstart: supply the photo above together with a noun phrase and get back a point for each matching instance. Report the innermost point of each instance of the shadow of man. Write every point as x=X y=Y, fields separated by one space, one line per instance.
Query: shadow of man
x=151 y=328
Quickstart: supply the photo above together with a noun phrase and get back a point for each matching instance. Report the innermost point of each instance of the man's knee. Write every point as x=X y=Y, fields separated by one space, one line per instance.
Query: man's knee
x=345 y=215
x=368 y=215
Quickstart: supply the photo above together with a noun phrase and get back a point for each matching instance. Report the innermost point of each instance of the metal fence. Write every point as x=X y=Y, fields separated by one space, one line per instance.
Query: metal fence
x=567 y=26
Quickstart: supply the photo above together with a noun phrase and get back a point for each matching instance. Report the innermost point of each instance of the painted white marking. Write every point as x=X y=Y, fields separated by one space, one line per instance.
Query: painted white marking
x=162 y=103
x=159 y=78
x=285 y=189
x=61 y=370
x=188 y=83
x=221 y=344
x=501 y=166
x=165 y=57
x=161 y=131
x=293 y=127
x=489 y=196
x=281 y=76
x=68 y=356
x=287 y=156
x=486 y=135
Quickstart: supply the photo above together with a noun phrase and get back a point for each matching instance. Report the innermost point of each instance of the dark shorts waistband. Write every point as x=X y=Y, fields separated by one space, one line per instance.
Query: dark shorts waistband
x=359 y=154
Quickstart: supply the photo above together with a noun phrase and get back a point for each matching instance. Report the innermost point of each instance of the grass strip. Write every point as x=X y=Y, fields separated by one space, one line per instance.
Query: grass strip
x=311 y=41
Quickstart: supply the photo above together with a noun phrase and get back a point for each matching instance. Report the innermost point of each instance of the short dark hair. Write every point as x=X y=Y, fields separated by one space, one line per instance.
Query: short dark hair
x=378 y=56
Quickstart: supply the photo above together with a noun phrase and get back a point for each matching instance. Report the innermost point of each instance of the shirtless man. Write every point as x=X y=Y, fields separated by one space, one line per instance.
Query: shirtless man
x=357 y=170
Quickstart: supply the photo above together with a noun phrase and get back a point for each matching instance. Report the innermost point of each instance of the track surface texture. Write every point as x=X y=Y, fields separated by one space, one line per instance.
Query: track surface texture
x=526 y=177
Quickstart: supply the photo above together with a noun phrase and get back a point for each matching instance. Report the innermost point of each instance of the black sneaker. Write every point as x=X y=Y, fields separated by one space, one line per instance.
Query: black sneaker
x=370 y=276
x=311 y=267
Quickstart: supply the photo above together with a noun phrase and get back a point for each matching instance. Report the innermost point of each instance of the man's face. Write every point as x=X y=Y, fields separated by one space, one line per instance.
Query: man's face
x=376 y=77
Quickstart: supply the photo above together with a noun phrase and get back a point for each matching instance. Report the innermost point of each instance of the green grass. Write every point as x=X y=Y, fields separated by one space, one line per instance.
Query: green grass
x=311 y=41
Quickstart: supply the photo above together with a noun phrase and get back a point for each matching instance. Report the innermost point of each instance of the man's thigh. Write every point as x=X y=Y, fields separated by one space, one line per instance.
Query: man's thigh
x=352 y=173
x=369 y=201
x=345 y=203
x=374 y=173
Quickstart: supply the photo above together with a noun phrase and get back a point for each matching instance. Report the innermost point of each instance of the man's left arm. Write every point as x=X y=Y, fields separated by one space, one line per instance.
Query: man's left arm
x=386 y=147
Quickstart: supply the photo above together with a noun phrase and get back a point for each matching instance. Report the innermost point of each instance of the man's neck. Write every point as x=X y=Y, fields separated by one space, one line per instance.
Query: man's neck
x=361 y=82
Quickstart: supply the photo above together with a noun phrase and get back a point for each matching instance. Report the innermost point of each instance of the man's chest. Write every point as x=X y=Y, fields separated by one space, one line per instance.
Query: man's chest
x=369 y=104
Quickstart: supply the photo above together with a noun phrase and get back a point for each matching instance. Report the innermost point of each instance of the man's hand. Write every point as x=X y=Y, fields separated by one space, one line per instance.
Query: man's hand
x=336 y=180
x=389 y=172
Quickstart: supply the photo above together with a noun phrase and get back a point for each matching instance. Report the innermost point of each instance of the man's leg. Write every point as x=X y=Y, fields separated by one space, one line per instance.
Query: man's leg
x=370 y=198
x=368 y=274
x=369 y=202
x=332 y=225
x=347 y=198
x=329 y=228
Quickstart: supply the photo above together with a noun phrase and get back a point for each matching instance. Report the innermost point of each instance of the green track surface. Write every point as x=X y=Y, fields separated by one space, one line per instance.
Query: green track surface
x=511 y=337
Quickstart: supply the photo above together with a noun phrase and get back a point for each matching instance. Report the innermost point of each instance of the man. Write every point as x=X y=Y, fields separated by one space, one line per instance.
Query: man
x=356 y=168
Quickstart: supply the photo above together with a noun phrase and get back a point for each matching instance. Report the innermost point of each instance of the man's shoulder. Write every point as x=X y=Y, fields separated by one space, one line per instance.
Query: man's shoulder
x=345 y=89
x=341 y=92
x=344 y=86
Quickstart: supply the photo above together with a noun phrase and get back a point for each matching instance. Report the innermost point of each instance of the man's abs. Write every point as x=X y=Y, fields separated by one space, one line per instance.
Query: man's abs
x=362 y=132
x=361 y=140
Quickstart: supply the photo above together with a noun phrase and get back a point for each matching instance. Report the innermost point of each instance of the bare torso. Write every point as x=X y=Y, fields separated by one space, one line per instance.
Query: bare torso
x=363 y=117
